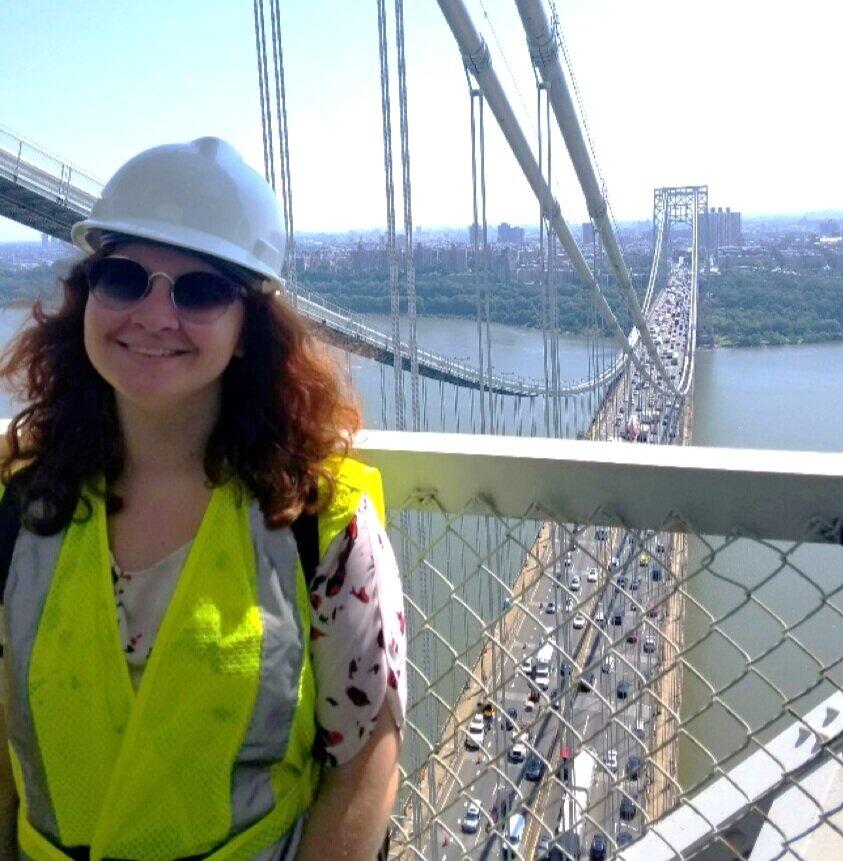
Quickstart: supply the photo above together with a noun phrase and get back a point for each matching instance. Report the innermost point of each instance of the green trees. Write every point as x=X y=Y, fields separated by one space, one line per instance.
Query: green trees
x=748 y=308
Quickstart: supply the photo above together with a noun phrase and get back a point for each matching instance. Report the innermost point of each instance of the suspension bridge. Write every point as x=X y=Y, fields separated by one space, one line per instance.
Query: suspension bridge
x=550 y=582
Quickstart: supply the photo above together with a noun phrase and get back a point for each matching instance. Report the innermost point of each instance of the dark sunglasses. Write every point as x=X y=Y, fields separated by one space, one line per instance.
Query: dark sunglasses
x=118 y=283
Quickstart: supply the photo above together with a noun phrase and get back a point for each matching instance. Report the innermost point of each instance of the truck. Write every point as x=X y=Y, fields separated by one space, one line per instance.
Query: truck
x=575 y=795
x=632 y=428
x=544 y=657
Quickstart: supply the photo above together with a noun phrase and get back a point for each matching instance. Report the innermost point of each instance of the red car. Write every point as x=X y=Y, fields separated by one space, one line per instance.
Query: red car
x=632 y=637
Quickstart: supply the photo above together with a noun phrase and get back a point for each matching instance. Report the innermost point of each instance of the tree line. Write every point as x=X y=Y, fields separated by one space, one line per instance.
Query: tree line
x=737 y=308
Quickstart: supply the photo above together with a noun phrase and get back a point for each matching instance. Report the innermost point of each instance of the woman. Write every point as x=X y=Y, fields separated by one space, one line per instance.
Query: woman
x=203 y=616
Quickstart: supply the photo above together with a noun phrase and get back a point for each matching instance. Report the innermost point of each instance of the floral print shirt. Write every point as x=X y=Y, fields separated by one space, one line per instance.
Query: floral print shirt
x=357 y=635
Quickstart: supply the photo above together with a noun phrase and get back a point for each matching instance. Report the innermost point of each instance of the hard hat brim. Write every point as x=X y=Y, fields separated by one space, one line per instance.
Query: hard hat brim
x=84 y=235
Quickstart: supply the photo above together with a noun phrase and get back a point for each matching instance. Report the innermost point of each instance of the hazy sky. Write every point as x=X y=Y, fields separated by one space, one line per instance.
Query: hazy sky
x=741 y=94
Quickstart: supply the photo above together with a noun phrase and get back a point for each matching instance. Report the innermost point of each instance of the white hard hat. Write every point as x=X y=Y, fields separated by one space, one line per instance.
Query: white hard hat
x=200 y=196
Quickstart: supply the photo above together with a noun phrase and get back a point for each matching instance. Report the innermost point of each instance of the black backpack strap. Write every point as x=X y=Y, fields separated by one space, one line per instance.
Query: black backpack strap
x=306 y=532
x=10 y=516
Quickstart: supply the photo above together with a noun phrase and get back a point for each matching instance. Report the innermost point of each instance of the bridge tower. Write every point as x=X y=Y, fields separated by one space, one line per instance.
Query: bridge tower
x=678 y=204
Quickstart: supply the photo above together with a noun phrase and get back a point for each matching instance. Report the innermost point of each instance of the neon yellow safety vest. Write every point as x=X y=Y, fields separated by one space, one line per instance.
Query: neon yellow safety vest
x=212 y=756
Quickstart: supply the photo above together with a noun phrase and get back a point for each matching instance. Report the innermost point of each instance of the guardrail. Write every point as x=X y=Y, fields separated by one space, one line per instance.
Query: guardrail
x=32 y=166
x=701 y=685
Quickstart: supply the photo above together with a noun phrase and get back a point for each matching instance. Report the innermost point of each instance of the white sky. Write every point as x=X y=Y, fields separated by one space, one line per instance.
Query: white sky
x=744 y=95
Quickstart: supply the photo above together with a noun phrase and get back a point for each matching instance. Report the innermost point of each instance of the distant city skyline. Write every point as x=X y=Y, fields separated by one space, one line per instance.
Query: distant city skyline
x=761 y=132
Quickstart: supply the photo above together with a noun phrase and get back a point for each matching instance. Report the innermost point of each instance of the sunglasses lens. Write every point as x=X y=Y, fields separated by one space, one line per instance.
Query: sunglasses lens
x=117 y=283
x=203 y=296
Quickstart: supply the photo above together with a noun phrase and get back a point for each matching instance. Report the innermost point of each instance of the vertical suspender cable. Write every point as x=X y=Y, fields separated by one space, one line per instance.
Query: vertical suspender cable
x=409 y=263
x=486 y=275
x=284 y=147
x=263 y=86
x=475 y=239
x=390 y=220
x=542 y=276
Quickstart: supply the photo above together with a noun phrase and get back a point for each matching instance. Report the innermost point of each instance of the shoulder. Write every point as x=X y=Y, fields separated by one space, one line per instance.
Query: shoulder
x=353 y=480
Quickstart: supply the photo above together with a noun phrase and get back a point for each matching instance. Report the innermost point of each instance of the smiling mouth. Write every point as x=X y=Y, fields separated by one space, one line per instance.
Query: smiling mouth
x=153 y=352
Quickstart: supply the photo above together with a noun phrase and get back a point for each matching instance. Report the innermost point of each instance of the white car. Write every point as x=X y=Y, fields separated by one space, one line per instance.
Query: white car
x=575 y=584
x=592 y=575
x=476 y=731
x=569 y=561
x=599 y=615
x=569 y=605
x=518 y=752
x=527 y=666
x=614 y=564
x=543 y=678
x=579 y=622
x=471 y=821
x=611 y=759
x=608 y=665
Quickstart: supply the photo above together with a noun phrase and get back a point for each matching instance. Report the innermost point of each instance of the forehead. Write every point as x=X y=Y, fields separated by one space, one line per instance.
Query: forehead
x=164 y=258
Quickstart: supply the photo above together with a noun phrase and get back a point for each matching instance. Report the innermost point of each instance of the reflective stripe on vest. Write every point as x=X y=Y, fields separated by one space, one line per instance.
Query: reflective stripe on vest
x=212 y=755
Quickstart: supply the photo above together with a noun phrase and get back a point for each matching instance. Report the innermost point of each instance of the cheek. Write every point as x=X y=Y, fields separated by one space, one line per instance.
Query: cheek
x=92 y=332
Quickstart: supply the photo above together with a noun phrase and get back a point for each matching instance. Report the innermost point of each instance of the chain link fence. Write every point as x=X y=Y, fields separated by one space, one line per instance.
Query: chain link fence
x=576 y=689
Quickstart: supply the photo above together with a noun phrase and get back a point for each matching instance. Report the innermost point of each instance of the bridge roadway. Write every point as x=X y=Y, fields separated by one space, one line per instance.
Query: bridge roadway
x=643 y=604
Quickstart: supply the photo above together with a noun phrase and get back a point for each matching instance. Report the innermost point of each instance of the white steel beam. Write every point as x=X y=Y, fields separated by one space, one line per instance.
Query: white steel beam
x=770 y=494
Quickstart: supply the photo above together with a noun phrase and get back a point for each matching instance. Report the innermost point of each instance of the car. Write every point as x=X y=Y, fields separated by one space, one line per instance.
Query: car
x=633 y=767
x=632 y=636
x=659 y=547
x=542 y=847
x=623 y=689
x=643 y=560
x=617 y=618
x=533 y=695
x=611 y=759
x=656 y=574
x=592 y=575
x=597 y=852
x=508 y=721
x=576 y=584
x=634 y=583
x=621 y=581
x=599 y=615
x=602 y=532
x=653 y=612
x=623 y=838
x=550 y=607
x=566 y=846
x=627 y=809
x=527 y=666
x=569 y=561
x=587 y=682
x=471 y=821
x=579 y=622
x=535 y=769
x=543 y=678
x=518 y=752
x=608 y=665
x=639 y=728
x=569 y=605
x=615 y=563
x=476 y=731
x=649 y=645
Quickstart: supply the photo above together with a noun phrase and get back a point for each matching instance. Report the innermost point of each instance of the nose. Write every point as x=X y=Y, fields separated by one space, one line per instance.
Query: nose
x=156 y=311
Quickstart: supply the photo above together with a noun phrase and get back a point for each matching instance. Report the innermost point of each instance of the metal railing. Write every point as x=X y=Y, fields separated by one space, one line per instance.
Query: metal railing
x=31 y=166
x=633 y=648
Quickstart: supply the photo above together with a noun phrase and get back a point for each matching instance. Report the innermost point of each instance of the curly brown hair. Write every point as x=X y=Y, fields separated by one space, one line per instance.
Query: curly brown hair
x=284 y=412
